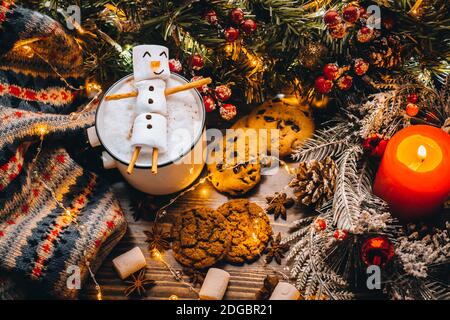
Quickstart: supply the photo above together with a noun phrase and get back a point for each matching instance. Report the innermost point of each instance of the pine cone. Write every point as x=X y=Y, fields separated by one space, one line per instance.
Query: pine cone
x=315 y=182
x=386 y=52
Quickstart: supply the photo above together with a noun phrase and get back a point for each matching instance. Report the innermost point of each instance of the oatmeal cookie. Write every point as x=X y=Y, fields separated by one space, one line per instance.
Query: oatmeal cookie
x=201 y=237
x=250 y=228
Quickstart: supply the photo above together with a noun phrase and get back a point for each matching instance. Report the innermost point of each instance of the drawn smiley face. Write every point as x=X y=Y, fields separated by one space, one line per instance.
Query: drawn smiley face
x=150 y=62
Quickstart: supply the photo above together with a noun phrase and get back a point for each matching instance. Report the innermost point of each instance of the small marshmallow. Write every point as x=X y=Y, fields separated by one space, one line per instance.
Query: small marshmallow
x=151 y=97
x=129 y=262
x=214 y=285
x=150 y=62
x=150 y=130
x=285 y=291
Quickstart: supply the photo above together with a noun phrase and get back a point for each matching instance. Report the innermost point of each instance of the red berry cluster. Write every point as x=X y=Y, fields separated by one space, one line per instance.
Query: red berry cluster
x=338 y=24
x=333 y=74
x=375 y=145
x=216 y=97
x=411 y=108
x=236 y=23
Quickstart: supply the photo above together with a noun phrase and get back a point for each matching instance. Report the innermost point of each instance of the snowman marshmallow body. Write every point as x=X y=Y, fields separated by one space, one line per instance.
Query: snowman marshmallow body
x=151 y=70
x=151 y=97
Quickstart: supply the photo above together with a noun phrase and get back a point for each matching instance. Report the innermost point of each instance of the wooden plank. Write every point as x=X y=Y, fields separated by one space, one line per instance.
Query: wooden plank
x=245 y=280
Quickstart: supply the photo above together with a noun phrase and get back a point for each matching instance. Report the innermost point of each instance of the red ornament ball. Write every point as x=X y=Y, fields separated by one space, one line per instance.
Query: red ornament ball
x=340 y=234
x=320 y=224
x=338 y=31
x=375 y=145
x=377 y=251
x=249 y=26
x=331 y=18
x=361 y=66
x=223 y=92
x=231 y=34
x=363 y=13
x=228 y=111
x=412 y=97
x=331 y=71
x=323 y=85
x=197 y=62
x=412 y=109
x=175 y=66
x=365 y=34
x=211 y=17
x=350 y=13
x=204 y=88
x=345 y=82
x=210 y=104
x=237 y=16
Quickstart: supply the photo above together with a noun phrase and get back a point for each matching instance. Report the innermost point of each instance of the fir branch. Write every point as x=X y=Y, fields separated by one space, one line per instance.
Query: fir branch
x=314 y=276
x=329 y=142
x=346 y=203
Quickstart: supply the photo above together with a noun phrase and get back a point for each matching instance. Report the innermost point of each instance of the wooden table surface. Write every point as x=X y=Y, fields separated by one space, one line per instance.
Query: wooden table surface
x=245 y=279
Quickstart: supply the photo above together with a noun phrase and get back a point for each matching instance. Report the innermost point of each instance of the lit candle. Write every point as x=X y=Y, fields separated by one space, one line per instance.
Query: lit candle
x=414 y=174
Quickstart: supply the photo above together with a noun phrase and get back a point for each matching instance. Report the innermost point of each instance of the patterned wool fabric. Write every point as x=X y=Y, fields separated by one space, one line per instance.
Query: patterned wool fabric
x=39 y=239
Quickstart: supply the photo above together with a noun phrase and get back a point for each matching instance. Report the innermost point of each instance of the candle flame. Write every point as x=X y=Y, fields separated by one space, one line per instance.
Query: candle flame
x=422 y=152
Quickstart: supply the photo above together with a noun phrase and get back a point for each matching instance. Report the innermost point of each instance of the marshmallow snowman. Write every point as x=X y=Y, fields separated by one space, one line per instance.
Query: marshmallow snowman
x=151 y=70
x=150 y=130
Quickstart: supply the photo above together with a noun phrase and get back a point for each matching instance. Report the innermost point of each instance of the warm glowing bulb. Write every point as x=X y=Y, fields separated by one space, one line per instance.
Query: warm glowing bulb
x=228 y=48
x=41 y=129
x=156 y=254
x=173 y=297
x=204 y=192
x=422 y=152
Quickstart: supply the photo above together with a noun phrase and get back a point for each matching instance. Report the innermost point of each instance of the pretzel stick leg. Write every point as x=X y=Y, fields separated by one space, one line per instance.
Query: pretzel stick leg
x=188 y=86
x=133 y=160
x=155 y=161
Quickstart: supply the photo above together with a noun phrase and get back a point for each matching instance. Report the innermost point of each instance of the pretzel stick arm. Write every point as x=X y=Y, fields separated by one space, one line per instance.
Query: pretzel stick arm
x=187 y=86
x=119 y=96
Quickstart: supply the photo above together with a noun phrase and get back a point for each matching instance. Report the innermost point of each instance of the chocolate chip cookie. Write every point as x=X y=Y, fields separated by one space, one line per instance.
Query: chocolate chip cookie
x=250 y=228
x=201 y=236
x=291 y=118
x=233 y=163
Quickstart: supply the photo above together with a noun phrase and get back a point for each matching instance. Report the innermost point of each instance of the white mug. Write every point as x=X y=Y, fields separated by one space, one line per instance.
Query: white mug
x=172 y=175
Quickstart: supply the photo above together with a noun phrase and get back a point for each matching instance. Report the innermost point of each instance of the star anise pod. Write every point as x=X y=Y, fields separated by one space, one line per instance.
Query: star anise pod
x=270 y=282
x=196 y=277
x=139 y=284
x=143 y=205
x=276 y=250
x=157 y=239
x=278 y=203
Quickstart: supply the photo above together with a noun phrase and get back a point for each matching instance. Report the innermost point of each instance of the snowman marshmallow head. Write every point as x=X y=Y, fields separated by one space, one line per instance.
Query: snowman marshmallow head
x=150 y=62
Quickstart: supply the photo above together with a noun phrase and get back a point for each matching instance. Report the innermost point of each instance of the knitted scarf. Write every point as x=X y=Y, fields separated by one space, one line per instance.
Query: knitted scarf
x=55 y=217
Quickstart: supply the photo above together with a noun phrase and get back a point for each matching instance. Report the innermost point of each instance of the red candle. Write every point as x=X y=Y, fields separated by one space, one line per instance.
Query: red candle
x=414 y=174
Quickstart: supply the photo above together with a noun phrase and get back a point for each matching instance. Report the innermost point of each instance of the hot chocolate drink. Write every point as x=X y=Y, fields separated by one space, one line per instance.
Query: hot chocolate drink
x=115 y=120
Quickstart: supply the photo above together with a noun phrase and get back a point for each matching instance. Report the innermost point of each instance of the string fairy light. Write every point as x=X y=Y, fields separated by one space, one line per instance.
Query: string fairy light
x=157 y=255
x=97 y=285
x=42 y=130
